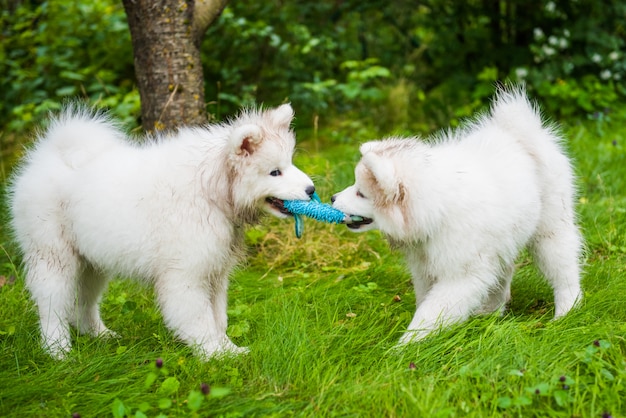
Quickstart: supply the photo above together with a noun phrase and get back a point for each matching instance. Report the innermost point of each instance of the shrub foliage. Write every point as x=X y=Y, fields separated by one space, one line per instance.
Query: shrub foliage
x=410 y=66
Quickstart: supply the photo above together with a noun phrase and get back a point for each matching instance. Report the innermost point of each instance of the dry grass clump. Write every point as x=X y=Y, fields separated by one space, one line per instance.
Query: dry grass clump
x=273 y=246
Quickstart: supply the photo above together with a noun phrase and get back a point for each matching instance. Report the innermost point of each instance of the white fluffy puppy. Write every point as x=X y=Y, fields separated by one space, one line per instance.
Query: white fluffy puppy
x=463 y=207
x=87 y=203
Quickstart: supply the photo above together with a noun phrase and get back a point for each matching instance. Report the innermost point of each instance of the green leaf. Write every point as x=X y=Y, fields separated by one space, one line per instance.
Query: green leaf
x=373 y=72
x=129 y=306
x=562 y=397
x=169 y=386
x=542 y=389
x=194 y=400
x=118 y=408
x=239 y=329
x=229 y=98
x=522 y=401
x=240 y=308
x=516 y=372
x=607 y=374
x=218 y=392
x=150 y=379
x=10 y=330
x=504 y=402
x=65 y=91
x=71 y=75
x=313 y=42
x=165 y=403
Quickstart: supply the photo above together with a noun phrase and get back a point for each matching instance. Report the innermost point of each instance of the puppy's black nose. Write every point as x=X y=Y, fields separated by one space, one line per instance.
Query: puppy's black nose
x=333 y=198
x=310 y=190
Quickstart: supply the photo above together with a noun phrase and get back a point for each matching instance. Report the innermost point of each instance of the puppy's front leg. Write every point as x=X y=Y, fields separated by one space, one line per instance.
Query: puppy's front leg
x=421 y=287
x=186 y=305
x=447 y=302
x=219 y=301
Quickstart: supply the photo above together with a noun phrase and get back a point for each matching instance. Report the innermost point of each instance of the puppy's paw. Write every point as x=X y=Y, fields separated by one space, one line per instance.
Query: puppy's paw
x=225 y=349
x=57 y=350
x=412 y=336
x=108 y=334
x=228 y=348
x=238 y=351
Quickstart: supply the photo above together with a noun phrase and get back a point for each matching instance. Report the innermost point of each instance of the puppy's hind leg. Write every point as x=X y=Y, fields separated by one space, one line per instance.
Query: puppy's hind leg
x=91 y=284
x=51 y=280
x=500 y=294
x=557 y=250
x=219 y=302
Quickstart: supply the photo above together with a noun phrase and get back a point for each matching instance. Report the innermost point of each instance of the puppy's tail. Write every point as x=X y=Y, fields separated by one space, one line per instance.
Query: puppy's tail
x=78 y=135
x=514 y=112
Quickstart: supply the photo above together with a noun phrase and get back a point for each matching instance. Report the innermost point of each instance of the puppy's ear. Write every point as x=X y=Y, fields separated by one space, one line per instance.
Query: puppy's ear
x=282 y=115
x=384 y=176
x=367 y=147
x=246 y=139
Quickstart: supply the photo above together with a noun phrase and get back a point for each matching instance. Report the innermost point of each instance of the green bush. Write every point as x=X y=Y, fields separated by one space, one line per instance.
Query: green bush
x=440 y=59
x=54 y=50
x=399 y=66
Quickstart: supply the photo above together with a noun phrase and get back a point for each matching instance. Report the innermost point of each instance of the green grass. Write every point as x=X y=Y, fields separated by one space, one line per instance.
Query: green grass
x=321 y=316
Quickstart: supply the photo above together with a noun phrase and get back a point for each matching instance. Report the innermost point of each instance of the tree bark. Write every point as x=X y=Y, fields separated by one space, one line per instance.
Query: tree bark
x=166 y=37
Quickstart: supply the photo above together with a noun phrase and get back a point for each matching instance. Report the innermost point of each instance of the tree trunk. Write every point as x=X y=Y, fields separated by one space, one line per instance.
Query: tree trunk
x=166 y=37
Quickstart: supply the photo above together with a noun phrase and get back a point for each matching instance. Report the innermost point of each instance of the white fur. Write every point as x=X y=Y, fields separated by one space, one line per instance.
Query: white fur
x=88 y=203
x=462 y=208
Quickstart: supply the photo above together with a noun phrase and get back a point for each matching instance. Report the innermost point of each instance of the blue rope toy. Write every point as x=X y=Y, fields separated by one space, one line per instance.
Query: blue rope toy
x=315 y=209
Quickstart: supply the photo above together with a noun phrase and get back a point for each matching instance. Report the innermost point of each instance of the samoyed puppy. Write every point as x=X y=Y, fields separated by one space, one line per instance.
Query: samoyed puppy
x=88 y=203
x=463 y=206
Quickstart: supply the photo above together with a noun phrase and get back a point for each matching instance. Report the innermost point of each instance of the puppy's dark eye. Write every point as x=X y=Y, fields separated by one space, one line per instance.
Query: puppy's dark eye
x=361 y=195
x=275 y=173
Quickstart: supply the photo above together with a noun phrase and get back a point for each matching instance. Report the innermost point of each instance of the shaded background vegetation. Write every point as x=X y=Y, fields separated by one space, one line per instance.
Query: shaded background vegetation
x=403 y=65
